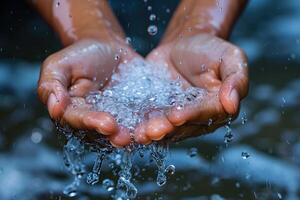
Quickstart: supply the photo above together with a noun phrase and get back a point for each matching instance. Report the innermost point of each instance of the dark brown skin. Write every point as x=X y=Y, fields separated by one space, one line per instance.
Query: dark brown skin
x=193 y=48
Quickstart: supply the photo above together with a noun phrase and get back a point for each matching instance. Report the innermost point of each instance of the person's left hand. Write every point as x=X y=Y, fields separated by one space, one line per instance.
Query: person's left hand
x=203 y=61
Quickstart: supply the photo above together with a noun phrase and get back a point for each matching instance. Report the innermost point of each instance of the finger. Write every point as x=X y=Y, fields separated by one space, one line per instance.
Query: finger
x=200 y=111
x=234 y=74
x=140 y=134
x=52 y=89
x=158 y=126
x=79 y=116
x=121 y=138
x=82 y=87
x=102 y=122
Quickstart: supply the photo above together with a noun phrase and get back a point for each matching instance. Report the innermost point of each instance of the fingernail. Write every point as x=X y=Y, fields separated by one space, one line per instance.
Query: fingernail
x=234 y=99
x=52 y=100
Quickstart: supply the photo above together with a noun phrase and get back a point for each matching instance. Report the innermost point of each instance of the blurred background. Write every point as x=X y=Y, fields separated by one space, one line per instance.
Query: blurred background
x=262 y=162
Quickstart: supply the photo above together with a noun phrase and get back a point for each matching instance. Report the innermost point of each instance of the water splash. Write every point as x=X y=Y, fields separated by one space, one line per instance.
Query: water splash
x=137 y=89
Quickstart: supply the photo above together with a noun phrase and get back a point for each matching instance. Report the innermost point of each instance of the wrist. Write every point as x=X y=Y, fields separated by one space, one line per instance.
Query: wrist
x=98 y=33
x=215 y=17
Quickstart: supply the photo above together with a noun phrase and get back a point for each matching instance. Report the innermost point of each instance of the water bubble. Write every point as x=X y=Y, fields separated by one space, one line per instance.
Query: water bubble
x=152 y=17
x=245 y=155
x=170 y=170
x=168 y=10
x=152 y=30
x=193 y=152
x=149 y=8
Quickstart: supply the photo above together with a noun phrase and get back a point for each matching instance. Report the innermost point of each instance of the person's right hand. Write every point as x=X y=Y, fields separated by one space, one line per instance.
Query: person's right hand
x=69 y=75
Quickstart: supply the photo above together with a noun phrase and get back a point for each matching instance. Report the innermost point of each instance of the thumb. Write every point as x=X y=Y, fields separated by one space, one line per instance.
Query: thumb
x=52 y=88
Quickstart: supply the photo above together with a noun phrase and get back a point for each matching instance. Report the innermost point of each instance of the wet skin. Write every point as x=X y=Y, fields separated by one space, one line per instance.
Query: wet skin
x=192 y=49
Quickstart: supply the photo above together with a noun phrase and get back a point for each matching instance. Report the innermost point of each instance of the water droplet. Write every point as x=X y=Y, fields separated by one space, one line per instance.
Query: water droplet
x=245 y=155
x=193 y=152
x=117 y=57
x=244 y=118
x=128 y=40
x=108 y=185
x=170 y=170
x=179 y=107
x=36 y=137
x=161 y=179
x=228 y=137
x=152 y=17
x=70 y=191
x=279 y=195
x=210 y=121
x=92 y=178
x=152 y=30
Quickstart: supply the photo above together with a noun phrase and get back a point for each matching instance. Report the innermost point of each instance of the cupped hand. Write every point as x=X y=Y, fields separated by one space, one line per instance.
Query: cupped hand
x=69 y=75
x=203 y=61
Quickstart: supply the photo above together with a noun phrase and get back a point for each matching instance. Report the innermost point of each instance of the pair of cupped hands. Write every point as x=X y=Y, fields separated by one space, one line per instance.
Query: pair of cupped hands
x=201 y=60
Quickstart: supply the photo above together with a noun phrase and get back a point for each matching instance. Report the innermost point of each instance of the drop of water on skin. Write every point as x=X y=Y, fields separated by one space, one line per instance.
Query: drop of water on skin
x=128 y=40
x=193 y=152
x=117 y=57
x=210 y=121
x=152 y=30
x=245 y=155
x=152 y=17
